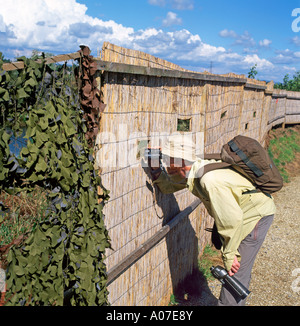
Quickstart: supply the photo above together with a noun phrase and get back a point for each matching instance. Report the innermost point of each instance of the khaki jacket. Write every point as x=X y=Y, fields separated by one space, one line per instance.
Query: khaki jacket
x=221 y=191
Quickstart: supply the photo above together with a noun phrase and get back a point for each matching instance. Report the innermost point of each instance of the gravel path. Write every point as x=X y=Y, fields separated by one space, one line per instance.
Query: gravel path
x=276 y=272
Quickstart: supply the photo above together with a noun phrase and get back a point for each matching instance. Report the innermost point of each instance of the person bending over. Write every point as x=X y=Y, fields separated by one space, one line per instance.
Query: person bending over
x=242 y=220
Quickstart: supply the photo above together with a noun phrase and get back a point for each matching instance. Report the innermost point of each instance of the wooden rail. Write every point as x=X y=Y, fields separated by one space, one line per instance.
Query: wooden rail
x=140 y=70
x=160 y=72
x=128 y=261
x=59 y=58
x=149 y=71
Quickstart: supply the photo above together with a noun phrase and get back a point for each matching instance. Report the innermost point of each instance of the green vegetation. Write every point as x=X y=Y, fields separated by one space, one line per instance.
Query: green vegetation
x=173 y=301
x=25 y=212
x=253 y=72
x=65 y=238
x=184 y=125
x=283 y=148
x=290 y=84
x=210 y=257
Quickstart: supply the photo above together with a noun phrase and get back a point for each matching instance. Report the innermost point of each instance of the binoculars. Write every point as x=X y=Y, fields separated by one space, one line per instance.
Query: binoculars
x=231 y=283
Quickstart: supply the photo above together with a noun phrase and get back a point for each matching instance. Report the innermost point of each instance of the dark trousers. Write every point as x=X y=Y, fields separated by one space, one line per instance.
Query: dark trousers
x=248 y=249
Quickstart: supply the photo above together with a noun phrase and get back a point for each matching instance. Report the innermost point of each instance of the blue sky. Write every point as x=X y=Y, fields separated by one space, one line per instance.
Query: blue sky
x=231 y=36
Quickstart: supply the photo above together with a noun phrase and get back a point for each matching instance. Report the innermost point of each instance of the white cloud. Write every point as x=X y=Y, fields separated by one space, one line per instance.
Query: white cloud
x=160 y=3
x=168 y=45
x=226 y=61
x=182 y=4
x=262 y=64
x=296 y=40
x=2 y=25
x=203 y=51
x=286 y=56
x=290 y=69
x=265 y=43
x=171 y=19
x=228 y=33
x=175 y=4
x=244 y=39
x=48 y=26
x=6 y=32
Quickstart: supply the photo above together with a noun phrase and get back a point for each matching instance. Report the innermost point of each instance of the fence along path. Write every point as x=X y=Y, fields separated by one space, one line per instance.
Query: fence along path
x=144 y=95
x=157 y=238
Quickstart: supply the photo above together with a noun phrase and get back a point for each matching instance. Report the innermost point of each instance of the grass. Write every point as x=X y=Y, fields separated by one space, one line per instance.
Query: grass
x=284 y=147
x=211 y=257
x=173 y=300
x=25 y=211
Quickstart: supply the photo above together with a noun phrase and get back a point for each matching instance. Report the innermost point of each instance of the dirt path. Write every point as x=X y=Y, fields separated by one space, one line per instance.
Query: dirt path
x=276 y=272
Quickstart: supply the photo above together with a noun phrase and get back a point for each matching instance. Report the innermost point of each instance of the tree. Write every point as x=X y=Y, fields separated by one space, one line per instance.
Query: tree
x=253 y=72
x=290 y=84
x=3 y=59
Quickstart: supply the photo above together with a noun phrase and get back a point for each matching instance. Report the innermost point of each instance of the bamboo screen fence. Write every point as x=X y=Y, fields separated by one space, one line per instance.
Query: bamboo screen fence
x=143 y=102
x=156 y=238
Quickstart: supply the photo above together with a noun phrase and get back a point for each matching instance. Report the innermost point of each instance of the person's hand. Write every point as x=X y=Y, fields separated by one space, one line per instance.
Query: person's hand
x=235 y=267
